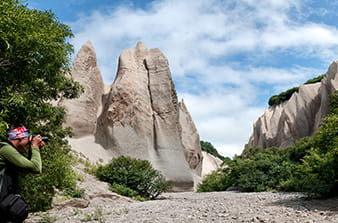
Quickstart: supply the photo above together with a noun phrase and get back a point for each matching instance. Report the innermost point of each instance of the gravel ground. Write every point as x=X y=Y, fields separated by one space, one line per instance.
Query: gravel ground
x=201 y=207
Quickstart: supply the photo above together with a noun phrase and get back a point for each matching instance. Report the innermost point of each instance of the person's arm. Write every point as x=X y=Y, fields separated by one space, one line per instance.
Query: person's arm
x=13 y=156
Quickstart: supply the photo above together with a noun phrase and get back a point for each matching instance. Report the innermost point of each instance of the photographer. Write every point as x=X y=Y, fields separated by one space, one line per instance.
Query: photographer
x=12 y=161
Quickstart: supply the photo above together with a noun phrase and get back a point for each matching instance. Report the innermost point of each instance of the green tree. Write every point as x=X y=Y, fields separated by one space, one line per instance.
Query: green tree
x=208 y=147
x=34 y=72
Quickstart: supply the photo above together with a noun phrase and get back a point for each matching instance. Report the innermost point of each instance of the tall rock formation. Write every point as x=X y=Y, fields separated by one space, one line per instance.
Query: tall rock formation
x=82 y=112
x=298 y=117
x=141 y=117
x=138 y=116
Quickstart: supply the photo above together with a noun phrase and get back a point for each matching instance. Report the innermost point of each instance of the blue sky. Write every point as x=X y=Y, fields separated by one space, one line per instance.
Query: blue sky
x=227 y=57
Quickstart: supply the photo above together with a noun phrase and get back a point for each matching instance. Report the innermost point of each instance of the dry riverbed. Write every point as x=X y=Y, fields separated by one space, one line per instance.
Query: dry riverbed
x=200 y=207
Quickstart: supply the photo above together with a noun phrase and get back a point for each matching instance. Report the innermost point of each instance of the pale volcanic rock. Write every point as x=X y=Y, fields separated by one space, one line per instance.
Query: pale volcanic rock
x=190 y=140
x=82 y=112
x=210 y=163
x=137 y=116
x=300 y=116
x=141 y=116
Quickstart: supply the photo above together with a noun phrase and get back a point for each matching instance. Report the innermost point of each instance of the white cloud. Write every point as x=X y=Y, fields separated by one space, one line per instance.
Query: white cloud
x=223 y=118
x=219 y=51
x=192 y=30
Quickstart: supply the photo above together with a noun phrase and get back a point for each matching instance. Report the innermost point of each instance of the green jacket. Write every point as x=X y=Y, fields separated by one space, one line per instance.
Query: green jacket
x=9 y=154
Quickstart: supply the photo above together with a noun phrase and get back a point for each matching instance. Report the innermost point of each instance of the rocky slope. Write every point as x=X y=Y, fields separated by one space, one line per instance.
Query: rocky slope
x=300 y=116
x=138 y=115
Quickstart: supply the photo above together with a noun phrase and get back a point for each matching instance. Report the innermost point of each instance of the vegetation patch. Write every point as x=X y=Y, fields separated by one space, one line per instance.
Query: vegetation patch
x=286 y=95
x=34 y=60
x=209 y=148
x=133 y=177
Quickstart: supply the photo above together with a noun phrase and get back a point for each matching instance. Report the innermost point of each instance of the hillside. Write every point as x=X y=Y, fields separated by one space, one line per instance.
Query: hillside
x=283 y=124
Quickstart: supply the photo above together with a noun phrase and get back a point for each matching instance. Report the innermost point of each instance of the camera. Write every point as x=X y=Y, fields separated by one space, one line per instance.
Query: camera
x=43 y=138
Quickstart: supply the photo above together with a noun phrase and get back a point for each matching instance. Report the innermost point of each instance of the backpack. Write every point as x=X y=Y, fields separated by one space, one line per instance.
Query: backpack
x=12 y=205
x=2 y=178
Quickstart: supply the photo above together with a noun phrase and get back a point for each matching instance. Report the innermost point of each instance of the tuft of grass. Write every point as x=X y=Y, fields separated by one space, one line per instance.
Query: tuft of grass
x=96 y=216
x=47 y=218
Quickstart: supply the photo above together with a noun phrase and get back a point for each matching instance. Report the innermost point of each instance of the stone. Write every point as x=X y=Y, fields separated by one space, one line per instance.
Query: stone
x=74 y=202
x=282 y=125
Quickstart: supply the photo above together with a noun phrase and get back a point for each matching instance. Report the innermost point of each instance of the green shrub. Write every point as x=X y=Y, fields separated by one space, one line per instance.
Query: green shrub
x=315 y=80
x=215 y=181
x=74 y=192
x=38 y=190
x=284 y=96
x=123 y=190
x=135 y=174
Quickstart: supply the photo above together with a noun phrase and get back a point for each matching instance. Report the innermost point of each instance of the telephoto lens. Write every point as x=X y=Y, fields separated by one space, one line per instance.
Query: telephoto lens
x=43 y=138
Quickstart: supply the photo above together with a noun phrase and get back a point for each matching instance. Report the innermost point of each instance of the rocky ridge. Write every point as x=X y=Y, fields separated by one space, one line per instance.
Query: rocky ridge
x=300 y=116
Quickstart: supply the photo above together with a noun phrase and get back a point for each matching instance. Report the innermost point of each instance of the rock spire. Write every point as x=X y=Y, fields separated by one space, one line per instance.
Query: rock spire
x=139 y=116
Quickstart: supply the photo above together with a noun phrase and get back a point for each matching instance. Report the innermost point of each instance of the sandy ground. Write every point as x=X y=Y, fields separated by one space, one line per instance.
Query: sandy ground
x=203 y=207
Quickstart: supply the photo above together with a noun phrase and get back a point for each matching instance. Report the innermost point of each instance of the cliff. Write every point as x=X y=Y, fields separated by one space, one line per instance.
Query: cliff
x=300 y=116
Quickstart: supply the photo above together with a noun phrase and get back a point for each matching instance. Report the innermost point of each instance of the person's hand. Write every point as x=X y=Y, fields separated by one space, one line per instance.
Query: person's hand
x=37 y=141
x=42 y=144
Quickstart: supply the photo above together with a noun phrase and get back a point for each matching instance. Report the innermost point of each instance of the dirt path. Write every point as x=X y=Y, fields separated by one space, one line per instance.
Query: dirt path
x=202 y=207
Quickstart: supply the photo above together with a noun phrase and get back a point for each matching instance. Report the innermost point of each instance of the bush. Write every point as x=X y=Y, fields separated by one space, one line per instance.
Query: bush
x=123 y=190
x=284 y=96
x=38 y=190
x=315 y=80
x=215 y=181
x=135 y=174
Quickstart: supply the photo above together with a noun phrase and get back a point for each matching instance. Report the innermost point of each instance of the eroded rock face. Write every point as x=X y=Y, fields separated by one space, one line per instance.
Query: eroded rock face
x=190 y=140
x=82 y=112
x=210 y=163
x=141 y=117
x=300 y=116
